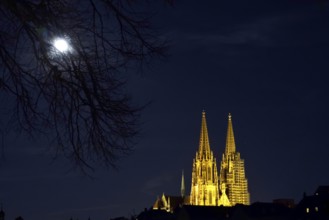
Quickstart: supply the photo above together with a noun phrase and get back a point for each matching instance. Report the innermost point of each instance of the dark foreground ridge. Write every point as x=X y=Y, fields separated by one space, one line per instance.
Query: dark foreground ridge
x=310 y=207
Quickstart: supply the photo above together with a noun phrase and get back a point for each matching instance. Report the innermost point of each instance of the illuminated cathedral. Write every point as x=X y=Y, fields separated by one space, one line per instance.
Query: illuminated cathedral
x=210 y=188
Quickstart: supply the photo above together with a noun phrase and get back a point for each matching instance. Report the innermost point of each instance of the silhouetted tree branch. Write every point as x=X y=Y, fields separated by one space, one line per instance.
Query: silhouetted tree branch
x=77 y=96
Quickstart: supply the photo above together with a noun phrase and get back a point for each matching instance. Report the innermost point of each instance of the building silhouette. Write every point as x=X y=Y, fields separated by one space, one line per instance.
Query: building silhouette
x=2 y=214
x=314 y=206
x=208 y=188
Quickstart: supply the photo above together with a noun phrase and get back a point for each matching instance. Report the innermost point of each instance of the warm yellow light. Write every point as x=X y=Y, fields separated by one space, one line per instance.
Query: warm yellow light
x=210 y=189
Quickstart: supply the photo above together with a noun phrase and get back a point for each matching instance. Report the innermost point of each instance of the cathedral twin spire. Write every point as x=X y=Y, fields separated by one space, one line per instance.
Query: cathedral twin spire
x=204 y=147
x=204 y=190
x=230 y=187
x=230 y=142
x=232 y=178
x=208 y=187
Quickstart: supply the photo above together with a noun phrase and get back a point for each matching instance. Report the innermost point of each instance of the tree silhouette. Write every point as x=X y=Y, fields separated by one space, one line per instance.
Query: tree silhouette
x=76 y=96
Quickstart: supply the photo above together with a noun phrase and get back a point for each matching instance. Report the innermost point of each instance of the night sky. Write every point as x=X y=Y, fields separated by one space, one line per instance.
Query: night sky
x=265 y=62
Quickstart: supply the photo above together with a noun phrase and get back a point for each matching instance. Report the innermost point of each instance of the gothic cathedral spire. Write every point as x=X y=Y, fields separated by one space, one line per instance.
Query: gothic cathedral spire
x=204 y=187
x=208 y=188
x=204 y=147
x=232 y=177
x=182 y=188
x=230 y=142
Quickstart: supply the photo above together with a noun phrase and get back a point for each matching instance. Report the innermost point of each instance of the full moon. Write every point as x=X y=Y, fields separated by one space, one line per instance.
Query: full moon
x=61 y=45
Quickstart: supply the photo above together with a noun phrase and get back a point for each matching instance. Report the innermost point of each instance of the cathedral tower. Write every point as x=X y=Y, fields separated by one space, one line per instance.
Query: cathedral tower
x=182 y=187
x=204 y=189
x=232 y=179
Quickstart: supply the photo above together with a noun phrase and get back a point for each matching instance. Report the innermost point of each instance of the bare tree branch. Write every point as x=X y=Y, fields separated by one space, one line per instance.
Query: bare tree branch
x=77 y=97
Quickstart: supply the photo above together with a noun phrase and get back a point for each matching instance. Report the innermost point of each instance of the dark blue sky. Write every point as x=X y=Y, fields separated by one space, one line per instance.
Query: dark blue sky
x=266 y=62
